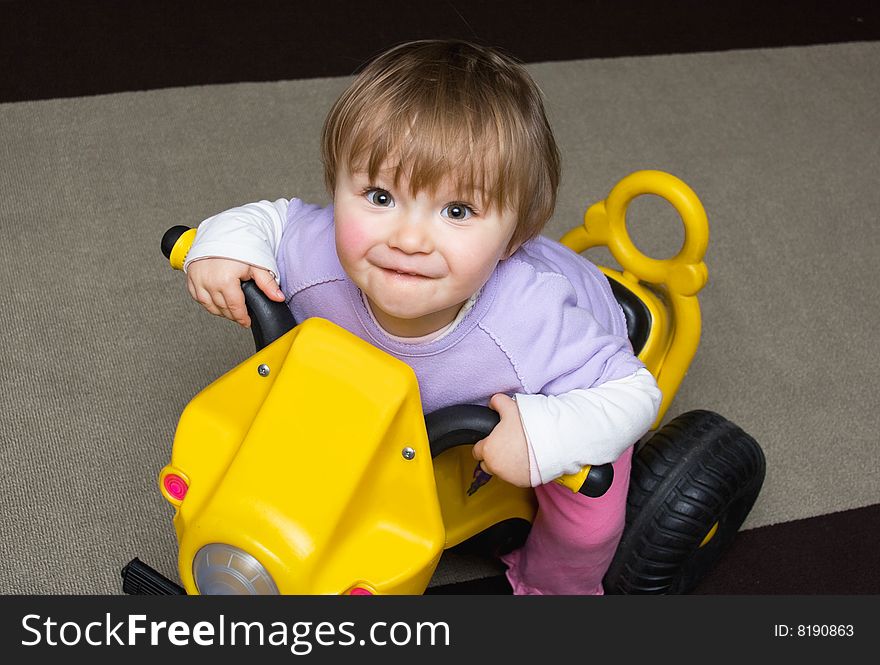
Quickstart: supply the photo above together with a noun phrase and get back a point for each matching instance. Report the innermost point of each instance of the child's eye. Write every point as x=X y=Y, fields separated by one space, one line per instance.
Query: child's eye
x=457 y=212
x=379 y=197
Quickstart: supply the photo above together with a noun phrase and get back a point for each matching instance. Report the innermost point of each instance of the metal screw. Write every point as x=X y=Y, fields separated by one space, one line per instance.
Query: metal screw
x=408 y=453
x=263 y=370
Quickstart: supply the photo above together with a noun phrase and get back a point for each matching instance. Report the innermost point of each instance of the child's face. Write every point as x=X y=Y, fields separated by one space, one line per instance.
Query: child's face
x=416 y=258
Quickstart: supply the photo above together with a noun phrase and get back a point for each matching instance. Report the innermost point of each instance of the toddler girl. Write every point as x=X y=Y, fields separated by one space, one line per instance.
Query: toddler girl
x=443 y=170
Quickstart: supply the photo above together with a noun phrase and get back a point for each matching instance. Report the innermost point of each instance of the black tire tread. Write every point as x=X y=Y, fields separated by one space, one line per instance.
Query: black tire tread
x=696 y=470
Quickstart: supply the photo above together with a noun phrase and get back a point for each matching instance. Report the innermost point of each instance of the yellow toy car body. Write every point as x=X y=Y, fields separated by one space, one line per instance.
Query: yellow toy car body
x=293 y=458
x=307 y=469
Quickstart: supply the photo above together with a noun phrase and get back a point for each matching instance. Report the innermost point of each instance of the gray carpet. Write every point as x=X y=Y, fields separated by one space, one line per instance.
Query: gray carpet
x=103 y=348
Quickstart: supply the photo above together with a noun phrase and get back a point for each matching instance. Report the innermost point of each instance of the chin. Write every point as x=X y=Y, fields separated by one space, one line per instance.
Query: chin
x=402 y=306
x=404 y=313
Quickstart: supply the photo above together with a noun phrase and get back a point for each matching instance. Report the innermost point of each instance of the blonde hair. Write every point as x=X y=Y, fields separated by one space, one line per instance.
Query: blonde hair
x=445 y=109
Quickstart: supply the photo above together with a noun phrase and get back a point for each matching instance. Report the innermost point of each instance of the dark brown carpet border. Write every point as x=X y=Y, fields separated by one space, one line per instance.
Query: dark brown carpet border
x=64 y=48
x=833 y=554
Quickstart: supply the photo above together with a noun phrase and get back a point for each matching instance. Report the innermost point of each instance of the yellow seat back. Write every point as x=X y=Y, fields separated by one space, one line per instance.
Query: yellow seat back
x=667 y=287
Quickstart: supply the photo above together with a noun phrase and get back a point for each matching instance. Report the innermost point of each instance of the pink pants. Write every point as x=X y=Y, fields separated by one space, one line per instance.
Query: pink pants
x=573 y=539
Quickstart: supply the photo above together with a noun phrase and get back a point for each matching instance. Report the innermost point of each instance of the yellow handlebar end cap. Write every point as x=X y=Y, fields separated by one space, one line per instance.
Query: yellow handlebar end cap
x=574 y=481
x=181 y=249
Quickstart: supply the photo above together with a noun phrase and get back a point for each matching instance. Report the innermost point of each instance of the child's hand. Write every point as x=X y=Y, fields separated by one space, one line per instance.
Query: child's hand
x=505 y=452
x=216 y=285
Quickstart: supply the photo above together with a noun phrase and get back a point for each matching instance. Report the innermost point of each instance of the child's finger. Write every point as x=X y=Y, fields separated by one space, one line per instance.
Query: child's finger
x=502 y=404
x=219 y=303
x=264 y=280
x=477 y=450
x=203 y=297
x=233 y=307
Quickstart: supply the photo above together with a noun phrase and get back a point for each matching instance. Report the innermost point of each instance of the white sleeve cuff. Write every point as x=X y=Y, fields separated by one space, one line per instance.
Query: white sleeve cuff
x=589 y=426
x=250 y=233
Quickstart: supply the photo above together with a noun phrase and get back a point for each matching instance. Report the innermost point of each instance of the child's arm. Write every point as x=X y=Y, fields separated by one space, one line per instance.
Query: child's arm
x=234 y=246
x=589 y=426
x=540 y=437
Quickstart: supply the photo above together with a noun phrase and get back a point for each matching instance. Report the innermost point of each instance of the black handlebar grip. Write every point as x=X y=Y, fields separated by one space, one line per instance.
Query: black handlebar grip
x=269 y=319
x=459 y=425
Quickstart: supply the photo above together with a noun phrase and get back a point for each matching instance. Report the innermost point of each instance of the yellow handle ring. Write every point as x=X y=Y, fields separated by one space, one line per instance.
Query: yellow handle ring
x=685 y=267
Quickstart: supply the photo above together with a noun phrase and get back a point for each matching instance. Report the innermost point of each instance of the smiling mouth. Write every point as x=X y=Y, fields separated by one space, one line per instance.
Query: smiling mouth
x=404 y=273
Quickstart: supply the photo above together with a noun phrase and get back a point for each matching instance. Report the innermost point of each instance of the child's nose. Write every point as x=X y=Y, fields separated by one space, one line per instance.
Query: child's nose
x=412 y=236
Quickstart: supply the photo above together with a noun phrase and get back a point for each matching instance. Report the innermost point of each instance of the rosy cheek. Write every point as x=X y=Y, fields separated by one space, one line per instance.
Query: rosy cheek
x=352 y=239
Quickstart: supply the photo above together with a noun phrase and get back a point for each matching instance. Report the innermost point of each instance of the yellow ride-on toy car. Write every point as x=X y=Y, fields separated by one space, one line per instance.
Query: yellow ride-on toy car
x=256 y=510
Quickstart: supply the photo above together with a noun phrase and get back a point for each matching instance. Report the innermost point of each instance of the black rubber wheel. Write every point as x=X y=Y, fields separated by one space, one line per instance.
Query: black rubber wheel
x=697 y=471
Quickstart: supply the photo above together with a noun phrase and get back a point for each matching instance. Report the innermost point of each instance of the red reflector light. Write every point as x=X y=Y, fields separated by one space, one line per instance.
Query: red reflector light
x=175 y=486
x=360 y=591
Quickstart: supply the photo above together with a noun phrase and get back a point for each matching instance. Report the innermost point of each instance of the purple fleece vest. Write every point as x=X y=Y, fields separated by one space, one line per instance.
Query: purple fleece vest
x=545 y=322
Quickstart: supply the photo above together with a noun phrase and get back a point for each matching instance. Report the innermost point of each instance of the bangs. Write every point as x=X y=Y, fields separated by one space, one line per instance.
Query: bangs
x=435 y=145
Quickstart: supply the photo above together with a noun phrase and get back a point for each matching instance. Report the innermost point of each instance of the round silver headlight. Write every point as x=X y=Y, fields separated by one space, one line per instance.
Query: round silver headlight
x=223 y=570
